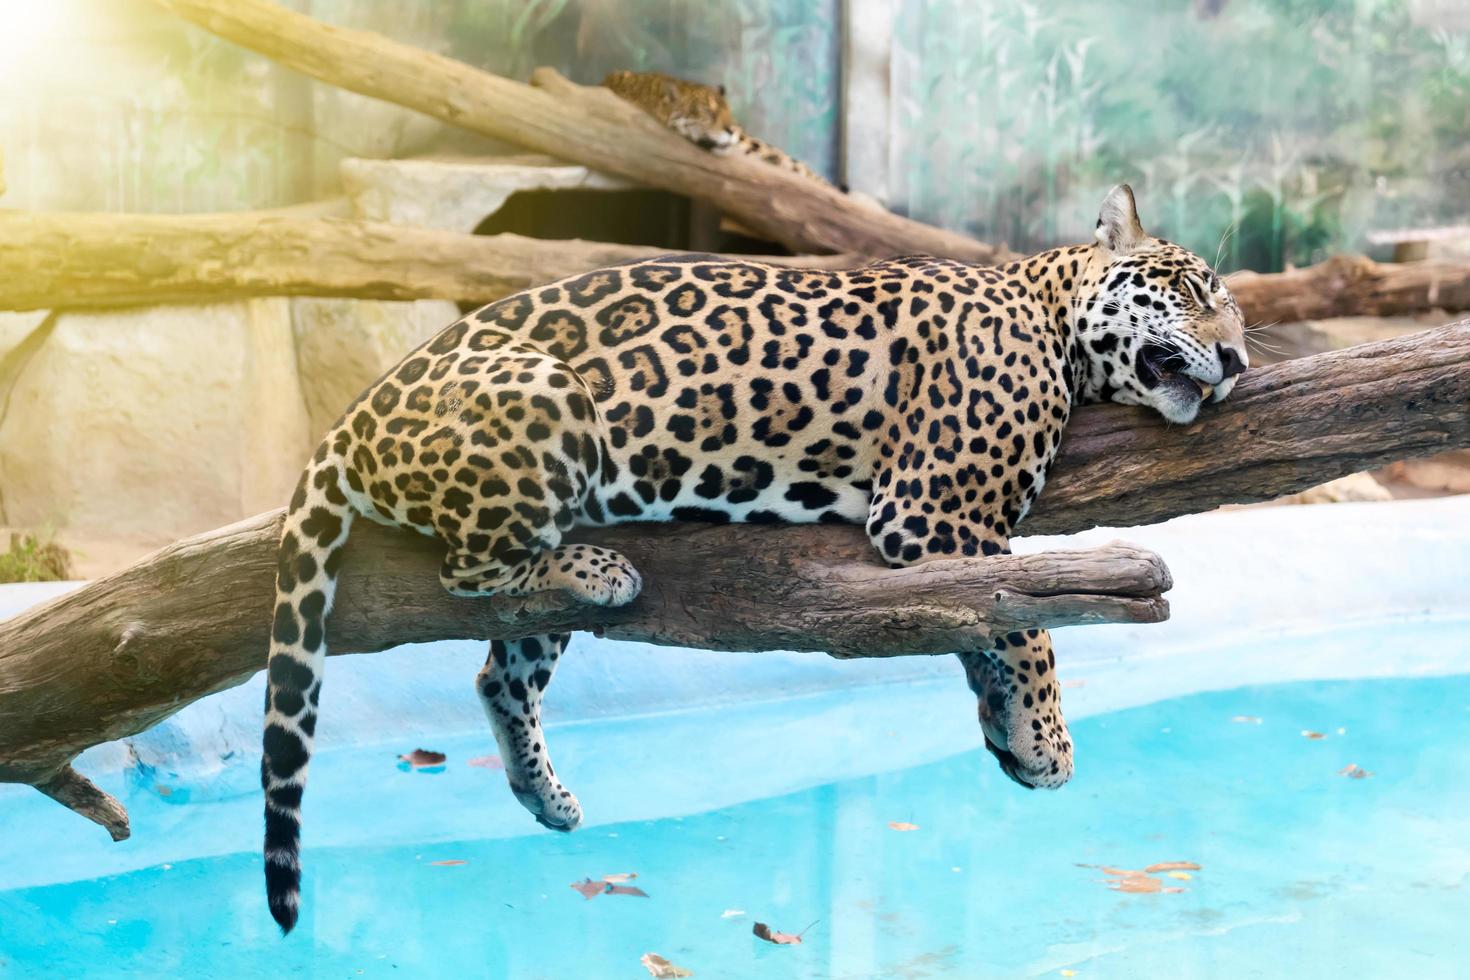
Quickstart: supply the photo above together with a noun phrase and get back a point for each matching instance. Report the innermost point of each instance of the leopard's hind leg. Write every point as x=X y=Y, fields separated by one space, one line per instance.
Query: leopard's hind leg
x=510 y=686
x=508 y=541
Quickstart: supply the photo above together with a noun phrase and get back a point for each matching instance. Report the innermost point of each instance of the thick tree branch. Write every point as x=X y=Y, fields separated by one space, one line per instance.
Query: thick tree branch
x=107 y=260
x=1351 y=285
x=587 y=125
x=126 y=651
x=1285 y=428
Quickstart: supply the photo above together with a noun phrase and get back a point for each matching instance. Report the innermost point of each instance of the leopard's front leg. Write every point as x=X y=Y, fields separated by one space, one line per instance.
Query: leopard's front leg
x=1020 y=708
x=1018 y=697
x=510 y=686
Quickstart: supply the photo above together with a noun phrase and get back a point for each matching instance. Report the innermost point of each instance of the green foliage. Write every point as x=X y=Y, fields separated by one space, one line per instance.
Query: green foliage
x=33 y=558
x=1276 y=131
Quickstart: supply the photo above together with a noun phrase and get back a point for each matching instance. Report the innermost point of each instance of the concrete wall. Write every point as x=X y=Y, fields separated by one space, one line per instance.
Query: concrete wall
x=124 y=430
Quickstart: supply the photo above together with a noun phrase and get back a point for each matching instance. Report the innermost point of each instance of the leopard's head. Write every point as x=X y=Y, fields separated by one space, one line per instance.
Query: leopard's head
x=1155 y=324
x=701 y=114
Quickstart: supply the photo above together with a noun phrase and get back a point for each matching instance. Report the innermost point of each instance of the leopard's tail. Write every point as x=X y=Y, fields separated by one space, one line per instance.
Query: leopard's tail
x=310 y=554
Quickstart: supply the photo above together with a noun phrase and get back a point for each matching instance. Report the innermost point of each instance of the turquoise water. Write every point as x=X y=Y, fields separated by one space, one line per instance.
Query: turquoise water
x=1304 y=872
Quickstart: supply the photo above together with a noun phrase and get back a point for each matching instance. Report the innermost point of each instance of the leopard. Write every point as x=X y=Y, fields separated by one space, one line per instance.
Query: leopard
x=701 y=114
x=923 y=398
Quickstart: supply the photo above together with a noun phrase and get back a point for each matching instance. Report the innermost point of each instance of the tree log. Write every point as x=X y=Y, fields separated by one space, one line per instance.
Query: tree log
x=73 y=261
x=1351 y=285
x=587 y=125
x=128 y=650
x=76 y=261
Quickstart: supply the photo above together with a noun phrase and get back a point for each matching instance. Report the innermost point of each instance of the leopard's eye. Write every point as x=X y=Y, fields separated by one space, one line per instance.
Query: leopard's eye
x=1199 y=291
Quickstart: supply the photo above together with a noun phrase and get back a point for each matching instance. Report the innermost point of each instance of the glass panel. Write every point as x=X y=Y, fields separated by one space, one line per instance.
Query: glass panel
x=1273 y=131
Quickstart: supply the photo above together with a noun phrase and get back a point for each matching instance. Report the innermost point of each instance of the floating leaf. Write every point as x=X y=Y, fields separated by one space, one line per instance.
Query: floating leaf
x=1136 y=884
x=422 y=759
x=1314 y=736
x=487 y=762
x=662 y=969
x=1141 y=882
x=1246 y=720
x=731 y=913
x=1181 y=875
x=1068 y=973
x=1354 y=771
x=588 y=888
x=901 y=826
x=452 y=863
x=763 y=931
x=608 y=885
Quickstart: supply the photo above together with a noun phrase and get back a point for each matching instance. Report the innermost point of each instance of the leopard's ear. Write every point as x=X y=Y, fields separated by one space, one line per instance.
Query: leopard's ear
x=720 y=89
x=1118 y=228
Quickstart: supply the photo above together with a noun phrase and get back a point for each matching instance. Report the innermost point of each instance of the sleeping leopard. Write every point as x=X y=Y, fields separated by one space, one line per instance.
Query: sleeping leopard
x=700 y=114
x=922 y=397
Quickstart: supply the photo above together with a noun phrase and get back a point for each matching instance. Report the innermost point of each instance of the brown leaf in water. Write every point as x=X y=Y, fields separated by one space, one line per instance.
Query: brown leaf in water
x=423 y=758
x=487 y=762
x=588 y=888
x=763 y=931
x=1136 y=882
x=901 y=826
x=1314 y=736
x=608 y=885
x=661 y=969
x=1354 y=771
x=452 y=863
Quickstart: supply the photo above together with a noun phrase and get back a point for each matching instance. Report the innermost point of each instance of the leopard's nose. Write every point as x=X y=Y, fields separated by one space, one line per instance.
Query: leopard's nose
x=1231 y=363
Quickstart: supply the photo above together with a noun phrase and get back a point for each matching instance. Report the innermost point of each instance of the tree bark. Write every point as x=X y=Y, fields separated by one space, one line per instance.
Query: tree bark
x=126 y=651
x=76 y=261
x=107 y=260
x=588 y=125
x=1351 y=285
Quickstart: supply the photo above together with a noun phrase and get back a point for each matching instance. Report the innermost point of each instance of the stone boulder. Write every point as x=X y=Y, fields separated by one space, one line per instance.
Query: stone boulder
x=343 y=345
x=127 y=429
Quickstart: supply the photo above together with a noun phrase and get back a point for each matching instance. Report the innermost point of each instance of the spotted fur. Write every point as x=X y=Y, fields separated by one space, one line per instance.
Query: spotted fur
x=921 y=397
x=700 y=114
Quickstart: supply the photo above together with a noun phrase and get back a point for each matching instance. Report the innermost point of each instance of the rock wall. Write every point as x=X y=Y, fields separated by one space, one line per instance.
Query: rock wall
x=124 y=430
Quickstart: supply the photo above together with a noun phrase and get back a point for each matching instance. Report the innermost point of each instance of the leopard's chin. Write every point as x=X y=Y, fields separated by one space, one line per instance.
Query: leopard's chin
x=1178 y=397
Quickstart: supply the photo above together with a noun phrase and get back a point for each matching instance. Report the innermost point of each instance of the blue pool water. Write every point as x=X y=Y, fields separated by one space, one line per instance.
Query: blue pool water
x=1304 y=872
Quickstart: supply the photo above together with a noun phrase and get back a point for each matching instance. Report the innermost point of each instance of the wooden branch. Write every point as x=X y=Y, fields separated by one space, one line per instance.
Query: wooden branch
x=126 y=651
x=107 y=260
x=77 y=261
x=1351 y=285
x=1285 y=428
x=587 y=125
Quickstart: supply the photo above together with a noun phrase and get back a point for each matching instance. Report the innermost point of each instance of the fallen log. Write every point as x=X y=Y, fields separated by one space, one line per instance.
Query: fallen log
x=77 y=261
x=111 y=260
x=126 y=651
x=1351 y=285
x=584 y=124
